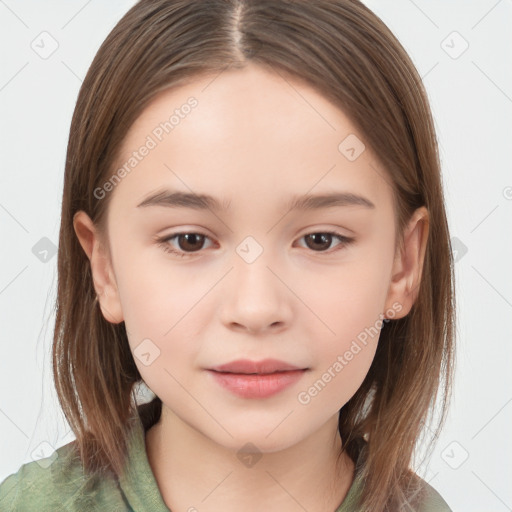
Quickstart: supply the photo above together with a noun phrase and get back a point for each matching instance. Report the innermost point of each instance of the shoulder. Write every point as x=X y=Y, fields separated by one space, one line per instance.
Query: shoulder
x=419 y=497
x=57 y=482
x=431 y=500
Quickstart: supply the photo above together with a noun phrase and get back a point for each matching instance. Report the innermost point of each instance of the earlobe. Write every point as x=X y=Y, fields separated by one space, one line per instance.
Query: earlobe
x=408 y=264
x=104 y=281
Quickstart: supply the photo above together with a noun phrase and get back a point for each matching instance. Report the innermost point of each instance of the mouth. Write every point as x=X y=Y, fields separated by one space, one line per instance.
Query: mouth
x=256 y=379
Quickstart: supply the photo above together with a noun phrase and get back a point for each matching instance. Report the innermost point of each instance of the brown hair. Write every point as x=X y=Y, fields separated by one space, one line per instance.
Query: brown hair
x=346 y=53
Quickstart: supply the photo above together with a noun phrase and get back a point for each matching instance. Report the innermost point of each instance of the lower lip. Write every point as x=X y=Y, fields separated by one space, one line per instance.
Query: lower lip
x=257 y=386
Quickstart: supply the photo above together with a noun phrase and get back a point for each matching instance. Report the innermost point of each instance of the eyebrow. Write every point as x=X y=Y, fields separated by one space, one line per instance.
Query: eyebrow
x=308 y=202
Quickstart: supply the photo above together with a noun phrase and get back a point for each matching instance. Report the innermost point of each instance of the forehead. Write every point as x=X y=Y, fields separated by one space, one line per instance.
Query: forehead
x=245 y=131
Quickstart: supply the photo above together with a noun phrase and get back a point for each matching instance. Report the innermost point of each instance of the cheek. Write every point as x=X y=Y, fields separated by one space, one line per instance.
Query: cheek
x=345 y=300
x=159 y=314
x=348 y=305
x=343 y=357
x=155 y=292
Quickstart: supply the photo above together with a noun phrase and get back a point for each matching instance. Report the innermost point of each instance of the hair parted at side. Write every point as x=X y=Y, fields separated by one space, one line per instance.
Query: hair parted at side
x=347 y=54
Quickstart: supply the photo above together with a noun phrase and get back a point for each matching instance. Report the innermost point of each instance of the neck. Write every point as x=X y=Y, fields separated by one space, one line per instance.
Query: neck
x=192 y=470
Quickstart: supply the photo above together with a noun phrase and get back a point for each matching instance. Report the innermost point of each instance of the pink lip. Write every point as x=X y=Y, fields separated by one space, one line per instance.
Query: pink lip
x=256 y=379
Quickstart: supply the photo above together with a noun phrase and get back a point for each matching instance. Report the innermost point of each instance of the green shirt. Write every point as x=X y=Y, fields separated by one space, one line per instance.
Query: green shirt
x=44 y=486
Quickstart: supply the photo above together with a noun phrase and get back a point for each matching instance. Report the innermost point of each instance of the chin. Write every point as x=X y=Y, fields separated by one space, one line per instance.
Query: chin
x=258 y=440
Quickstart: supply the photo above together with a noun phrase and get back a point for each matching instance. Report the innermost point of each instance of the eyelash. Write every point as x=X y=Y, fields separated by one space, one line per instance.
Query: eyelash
x=164 y=242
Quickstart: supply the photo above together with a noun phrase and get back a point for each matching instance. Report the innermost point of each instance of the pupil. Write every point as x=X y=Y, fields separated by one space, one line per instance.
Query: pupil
x=190 y=239
x=320 y=238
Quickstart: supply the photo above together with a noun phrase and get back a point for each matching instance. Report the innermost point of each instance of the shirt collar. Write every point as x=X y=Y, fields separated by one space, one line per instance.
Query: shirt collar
x=137 y=481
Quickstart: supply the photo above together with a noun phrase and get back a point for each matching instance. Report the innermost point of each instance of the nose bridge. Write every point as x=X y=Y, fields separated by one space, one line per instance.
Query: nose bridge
x=252 y=274
x=256 y=298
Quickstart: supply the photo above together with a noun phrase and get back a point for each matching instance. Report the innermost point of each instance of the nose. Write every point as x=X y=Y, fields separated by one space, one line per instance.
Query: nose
x=256 y=298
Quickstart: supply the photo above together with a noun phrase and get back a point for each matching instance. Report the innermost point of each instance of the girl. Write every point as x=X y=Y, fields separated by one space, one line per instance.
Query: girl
x=295 y=353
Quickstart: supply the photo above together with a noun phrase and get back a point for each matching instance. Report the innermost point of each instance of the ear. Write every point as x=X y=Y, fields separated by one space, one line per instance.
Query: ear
x=408 y=264
x=101 y=267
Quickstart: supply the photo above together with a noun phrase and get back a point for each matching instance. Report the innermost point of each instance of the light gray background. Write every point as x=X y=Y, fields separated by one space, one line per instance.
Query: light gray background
x=471 y=97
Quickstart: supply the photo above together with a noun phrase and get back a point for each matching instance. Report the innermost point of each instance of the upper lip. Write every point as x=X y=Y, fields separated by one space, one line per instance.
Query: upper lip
x=247 y=366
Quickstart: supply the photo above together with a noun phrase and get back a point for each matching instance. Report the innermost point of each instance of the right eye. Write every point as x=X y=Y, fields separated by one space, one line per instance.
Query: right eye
x=188 y=243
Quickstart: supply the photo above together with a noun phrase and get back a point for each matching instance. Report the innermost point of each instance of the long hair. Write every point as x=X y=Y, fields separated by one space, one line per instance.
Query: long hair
x=347 y=54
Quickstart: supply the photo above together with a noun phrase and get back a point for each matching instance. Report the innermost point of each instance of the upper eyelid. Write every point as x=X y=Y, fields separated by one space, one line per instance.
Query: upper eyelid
x=332 y=231
x=200 y=231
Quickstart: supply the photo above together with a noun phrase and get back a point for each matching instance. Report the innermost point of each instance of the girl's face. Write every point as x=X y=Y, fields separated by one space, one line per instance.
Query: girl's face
x=255 y=278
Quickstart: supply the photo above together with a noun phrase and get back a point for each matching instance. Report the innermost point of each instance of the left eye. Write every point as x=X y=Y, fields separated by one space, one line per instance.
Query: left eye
x=189 y=243
x=324 y=239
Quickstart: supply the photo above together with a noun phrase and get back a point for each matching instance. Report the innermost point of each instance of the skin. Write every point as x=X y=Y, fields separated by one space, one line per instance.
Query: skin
x=255 y=139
